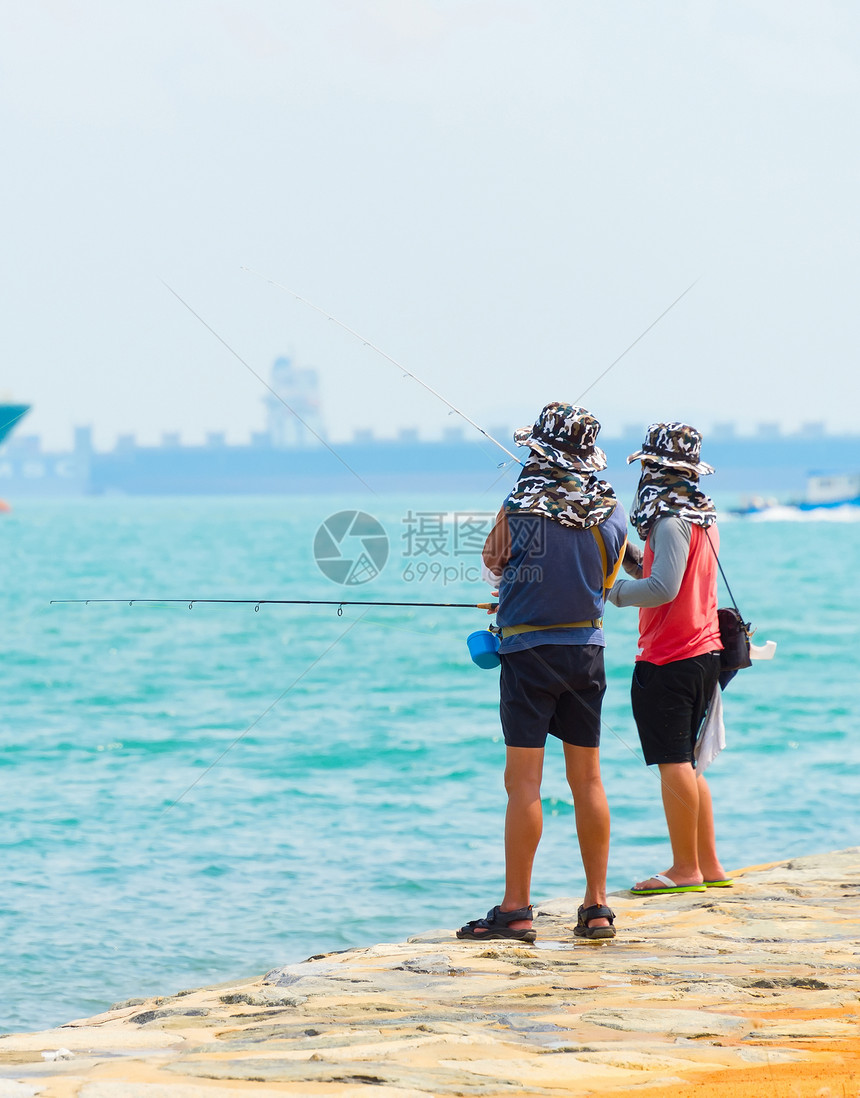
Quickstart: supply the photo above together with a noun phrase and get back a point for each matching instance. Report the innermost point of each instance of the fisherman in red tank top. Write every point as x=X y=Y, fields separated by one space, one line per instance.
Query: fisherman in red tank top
x=675 y=680
x=687 y=626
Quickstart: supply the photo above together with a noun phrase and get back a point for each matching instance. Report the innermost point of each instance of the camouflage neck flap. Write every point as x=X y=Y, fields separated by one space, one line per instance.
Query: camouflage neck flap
x=665 y=491
x=572 y=499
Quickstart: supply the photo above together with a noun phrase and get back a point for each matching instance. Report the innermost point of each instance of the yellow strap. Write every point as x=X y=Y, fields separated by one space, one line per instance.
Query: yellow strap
x=608 y=580
x=512 y=630
x=608 y=577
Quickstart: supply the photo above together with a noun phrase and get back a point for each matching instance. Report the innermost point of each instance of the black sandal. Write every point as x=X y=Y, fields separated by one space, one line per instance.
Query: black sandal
x=497 y=925
x=596 y=911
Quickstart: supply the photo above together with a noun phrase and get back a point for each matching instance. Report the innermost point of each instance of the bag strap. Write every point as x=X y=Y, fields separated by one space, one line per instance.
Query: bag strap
x=722 y=573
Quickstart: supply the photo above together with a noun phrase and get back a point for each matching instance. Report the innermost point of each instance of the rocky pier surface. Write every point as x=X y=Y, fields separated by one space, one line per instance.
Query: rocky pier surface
x=736 y=993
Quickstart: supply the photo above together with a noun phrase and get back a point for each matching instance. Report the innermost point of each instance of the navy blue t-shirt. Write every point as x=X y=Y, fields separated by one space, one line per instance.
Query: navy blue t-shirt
x=555 y=575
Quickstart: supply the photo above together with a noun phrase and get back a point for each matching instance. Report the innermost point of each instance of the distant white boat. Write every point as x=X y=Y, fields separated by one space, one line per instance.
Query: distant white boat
x=824 y=491
x=830 y=490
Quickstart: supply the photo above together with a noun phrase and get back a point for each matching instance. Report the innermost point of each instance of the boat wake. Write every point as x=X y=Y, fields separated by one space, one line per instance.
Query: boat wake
x=847 y=512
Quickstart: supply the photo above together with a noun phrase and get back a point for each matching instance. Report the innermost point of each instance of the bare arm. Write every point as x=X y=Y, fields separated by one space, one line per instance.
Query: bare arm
x=497 y=550
x=632 y=562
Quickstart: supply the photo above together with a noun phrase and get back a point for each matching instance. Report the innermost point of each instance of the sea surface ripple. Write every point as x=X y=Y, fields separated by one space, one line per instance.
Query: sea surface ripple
x=191 y=797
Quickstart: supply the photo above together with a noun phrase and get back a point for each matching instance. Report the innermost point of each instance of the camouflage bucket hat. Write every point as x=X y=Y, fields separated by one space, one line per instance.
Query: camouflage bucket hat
x=565 y=435
x=676 y=445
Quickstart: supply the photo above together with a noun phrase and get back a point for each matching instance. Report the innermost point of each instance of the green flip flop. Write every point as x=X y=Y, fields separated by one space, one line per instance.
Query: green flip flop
x=668 y=886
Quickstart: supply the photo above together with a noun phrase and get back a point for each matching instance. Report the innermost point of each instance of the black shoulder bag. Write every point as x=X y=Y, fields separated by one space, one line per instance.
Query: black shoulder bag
x=735 y=633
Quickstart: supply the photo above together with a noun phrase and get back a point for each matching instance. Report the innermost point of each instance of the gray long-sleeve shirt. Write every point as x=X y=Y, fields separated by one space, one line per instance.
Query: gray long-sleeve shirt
x=670 y=541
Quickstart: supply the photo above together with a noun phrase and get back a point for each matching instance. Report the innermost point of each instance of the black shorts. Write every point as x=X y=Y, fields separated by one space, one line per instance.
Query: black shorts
x=552 y=689
x=670 y=701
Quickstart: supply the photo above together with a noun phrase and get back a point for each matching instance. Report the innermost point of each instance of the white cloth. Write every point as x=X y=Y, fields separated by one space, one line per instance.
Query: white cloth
x=492 y=578
x=712 y=738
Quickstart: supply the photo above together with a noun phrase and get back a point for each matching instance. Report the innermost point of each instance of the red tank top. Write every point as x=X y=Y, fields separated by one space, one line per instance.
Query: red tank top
x=687 y=626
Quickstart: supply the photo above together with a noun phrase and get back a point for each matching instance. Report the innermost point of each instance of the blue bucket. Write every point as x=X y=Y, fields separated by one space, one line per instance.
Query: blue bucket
x=484 y=648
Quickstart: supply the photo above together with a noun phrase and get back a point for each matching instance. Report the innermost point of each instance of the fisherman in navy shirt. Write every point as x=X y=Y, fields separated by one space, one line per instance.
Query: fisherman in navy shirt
x=553 y=554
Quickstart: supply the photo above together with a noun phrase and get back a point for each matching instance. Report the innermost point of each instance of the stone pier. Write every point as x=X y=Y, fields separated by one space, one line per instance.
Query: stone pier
x=745 y=992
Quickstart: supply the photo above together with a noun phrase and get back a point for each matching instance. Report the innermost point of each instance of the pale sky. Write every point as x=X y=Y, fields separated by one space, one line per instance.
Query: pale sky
x=501 y=194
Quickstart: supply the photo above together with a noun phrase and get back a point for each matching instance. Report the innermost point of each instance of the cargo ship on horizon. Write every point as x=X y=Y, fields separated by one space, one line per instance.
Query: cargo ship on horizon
x=293 y=457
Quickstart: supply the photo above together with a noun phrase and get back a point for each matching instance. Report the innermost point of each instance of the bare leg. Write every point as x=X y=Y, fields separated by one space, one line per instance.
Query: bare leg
x=681 y=805
x=592 y=821
x=523 y=826
x=709 y=862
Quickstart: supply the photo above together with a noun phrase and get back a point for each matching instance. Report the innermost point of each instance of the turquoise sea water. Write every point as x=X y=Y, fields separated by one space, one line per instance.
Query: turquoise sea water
x=191 y=797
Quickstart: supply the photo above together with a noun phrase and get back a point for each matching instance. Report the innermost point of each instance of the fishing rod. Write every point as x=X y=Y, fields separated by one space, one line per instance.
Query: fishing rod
x=387 y=357
x=340 y=603
x=635 y=341
x=263 y=382
x=430 y=389
x=490 y=607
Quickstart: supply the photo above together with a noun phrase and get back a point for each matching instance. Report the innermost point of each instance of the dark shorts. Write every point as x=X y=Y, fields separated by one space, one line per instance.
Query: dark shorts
x=552 y=689
x=670 y=701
